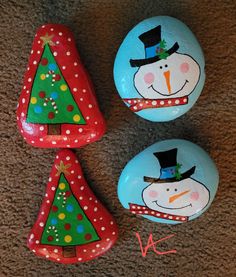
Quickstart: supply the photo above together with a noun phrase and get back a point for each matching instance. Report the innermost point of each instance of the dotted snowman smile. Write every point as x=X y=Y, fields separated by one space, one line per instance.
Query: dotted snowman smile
x=189 y=205
x=186 y=81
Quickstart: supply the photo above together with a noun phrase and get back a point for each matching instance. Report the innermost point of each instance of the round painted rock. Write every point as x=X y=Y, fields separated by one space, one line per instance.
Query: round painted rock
x=172 y=181
x=159 y=69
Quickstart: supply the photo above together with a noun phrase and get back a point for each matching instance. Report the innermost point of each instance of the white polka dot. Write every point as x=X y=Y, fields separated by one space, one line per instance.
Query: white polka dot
x=79 y=259
x=67 y=132
x=75 y=63
x=177 y=101
x=185 y=100
x=90 y=198
x=52 y=29
x=37 y=242
x=79 y=177
x=63 y=67
x=29 y=80
x=80 y=130
x=95 y=201
x=67 y=158
x=154 y=103
x=58 y=259
x=84 y=90
x=53 y=188
x=41 y=139
x=135 y=108
x=170 y=217
x=65 y=138
x=82 y=188
x=72 y=182
x=95 y=122
x=28 y=68
x=27 y=91
x=97 y=245
x=42 y=213
x=32 y=51
x=54 y=142
x=55 y=250
x=101 y=218
x=75 y=89
x=23 y=100
x=84 y=250
x=68 y=53
x=87 y=117
x=93 y=250
x=60 y=33
x=76 y=75
x=55 y=54
x=162 y=102
x=94 y=219
x=113 y=233
x=85 y=208
x=47 y=256
x=31 y=236
x=72 y=172
x=38 y=52
x=48 y=201
x=107 y=239
x=41 y=128
x=41 y=224
x=76 y=141
x=177 y=218
x=69 y=39
x=80 y=198
x=95 y=209
x=90 y=106
x=76 y=161
x=33 y=250
x=111 y=222
x=57 y=42
x=32 y=141
x=103 y=228
x=35 y=62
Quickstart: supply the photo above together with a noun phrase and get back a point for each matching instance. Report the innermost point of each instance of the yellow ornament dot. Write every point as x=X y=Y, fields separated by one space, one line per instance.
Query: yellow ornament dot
x=33 y=100
x=62 y=186
x=68 y=238
x=61 y=216
x=42 y=76
x=63 y=87
x=76 y=118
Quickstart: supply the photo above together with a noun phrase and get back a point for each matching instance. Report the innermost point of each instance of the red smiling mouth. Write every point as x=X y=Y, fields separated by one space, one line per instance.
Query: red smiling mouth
x=186 y=81
x=189 y=205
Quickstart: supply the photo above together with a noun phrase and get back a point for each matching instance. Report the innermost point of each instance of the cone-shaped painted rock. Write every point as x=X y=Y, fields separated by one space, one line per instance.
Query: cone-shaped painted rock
x=159 y=69
x=172 y=181
x=57 y=105
x=72 y=225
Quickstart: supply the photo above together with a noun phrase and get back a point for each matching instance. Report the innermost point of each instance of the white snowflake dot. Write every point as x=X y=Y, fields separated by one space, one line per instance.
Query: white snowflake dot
x=79 y=176
x=55 y=250
x=82 y=188
x=68 y=53
x=29 y=80
x=75 y=89
x=85 y=208
x=35 y=62
x=37 y=242
x=81 y=198
x=67 y=158
x=60 y=34
x=55 y=54
x=67 y=132
x=103 y=228
x=76 y=75
x=95 y=209
x=41 y=224
x=75 y=63
x=57 y=42
x=23 y=100
x=41 y=128
x=53 y=188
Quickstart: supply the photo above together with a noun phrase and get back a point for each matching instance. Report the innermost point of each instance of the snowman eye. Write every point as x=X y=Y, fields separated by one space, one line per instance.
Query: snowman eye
x=160 y=67
x=166 y=65
x=175 y=189
x=167 y=189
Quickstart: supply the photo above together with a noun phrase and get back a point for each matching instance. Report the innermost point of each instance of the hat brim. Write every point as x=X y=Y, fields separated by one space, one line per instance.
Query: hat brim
x=184 y=175
x=140 y=62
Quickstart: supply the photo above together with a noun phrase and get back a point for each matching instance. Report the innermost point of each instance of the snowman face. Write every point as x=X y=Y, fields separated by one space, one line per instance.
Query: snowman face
x=184 y=198
x=173 y=77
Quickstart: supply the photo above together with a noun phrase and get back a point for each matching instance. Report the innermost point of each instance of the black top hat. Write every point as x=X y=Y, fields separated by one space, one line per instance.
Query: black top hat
x=169 y=168
x=155 y=47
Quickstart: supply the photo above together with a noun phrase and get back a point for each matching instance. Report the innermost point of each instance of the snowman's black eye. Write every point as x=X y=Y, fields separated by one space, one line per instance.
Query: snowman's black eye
x=166 y=65
x=160 y=67
x=167 y=189
x=175 y=189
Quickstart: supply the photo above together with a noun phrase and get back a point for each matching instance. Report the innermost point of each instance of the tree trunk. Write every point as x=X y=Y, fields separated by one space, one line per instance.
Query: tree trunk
x=69 y=251
x=54 y=129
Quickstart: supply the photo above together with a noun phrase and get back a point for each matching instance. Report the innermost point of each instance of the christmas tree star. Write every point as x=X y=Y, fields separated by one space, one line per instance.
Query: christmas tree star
x=62 y=168
x=47 y=40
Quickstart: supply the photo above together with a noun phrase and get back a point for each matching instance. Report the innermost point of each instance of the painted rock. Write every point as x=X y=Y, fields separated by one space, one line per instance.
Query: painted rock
x=57 y=105
x=159 y=69
x=172 y=181
x=72 y=224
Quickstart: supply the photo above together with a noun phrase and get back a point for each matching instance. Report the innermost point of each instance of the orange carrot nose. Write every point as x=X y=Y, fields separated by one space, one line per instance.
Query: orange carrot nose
x=167 y=77
x=176 y=196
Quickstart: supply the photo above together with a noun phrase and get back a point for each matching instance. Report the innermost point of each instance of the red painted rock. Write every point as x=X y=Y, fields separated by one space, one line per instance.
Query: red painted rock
x=72 y=225
x=57 y=105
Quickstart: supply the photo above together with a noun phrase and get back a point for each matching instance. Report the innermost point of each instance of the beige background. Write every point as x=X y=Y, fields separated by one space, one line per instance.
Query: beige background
x=206 y=246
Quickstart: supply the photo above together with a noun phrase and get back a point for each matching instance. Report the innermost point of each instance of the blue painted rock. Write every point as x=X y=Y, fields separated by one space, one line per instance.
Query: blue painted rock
x=159 y=69
x=172 y=181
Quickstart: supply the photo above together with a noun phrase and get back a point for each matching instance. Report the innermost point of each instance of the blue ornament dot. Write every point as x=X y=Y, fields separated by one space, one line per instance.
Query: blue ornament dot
x=38 y=109
x=69 y=208
x=52 y=66
x=54 y=221
x=54 y=95
x=80 y=229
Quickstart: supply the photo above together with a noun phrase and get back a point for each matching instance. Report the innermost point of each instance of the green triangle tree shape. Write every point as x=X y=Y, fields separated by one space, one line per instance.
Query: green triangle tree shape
x=51 y=100
x=67 y=225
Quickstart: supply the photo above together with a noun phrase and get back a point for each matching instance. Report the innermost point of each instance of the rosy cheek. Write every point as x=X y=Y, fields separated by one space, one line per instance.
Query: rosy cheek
x=148 y=78
x=194 y=196
x=184 y=67
x=152 y=193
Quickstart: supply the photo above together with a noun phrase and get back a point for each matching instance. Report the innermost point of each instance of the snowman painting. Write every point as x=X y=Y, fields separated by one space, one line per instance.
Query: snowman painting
x=164 y=77
x=174 y=195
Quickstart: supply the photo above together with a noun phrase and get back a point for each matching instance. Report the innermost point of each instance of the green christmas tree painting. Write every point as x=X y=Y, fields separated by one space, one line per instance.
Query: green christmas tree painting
x=51 y=101
x=67 y=225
